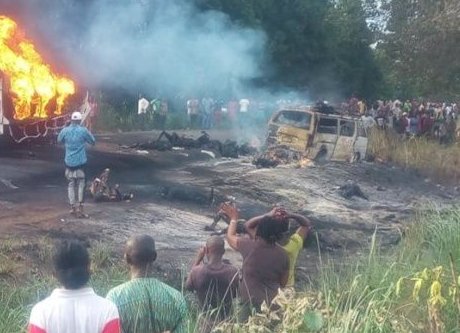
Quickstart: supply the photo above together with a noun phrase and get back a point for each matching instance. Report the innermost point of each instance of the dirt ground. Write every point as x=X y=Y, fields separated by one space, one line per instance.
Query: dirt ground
x=173 y=198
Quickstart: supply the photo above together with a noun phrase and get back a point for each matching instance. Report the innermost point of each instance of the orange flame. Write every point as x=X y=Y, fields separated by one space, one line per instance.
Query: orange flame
x=32 y=83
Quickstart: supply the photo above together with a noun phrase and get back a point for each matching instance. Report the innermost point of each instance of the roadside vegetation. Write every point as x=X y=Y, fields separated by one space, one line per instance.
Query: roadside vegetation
x=419 y=154
x=411 y=288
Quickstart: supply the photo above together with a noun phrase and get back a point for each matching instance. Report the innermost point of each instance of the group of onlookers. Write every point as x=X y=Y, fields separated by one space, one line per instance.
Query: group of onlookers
x=146 y=305
x=152 y=113
x=209 y=112
x=408 y=118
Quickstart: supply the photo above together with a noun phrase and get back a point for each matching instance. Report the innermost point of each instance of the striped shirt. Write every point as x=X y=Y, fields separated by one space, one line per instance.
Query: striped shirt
x=147 y=305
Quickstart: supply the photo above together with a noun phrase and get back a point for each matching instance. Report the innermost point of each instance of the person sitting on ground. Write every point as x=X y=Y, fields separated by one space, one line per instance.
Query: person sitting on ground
x=292 y=244
x=101 y=190
x=265 y=264
x=147 y=305
x=215 y=282
x=74 y=308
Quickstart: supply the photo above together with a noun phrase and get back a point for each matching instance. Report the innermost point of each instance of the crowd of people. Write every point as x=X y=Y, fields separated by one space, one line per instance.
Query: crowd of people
x=209 y=112
x=146 y=305
x=269 y=251
x=409 y=118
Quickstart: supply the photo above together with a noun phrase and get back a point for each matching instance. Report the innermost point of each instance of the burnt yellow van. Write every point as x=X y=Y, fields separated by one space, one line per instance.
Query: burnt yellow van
x=318 y=135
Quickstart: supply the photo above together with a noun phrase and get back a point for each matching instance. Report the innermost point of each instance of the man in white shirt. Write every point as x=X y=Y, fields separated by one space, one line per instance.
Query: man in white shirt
x=142 y=105
x=74 y=308
x=243 y=115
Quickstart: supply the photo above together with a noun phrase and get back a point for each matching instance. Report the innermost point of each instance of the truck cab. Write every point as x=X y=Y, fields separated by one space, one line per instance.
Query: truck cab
x=318 y=135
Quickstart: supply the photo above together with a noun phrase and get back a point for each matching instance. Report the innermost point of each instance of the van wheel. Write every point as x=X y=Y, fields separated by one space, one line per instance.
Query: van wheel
x=356 y=157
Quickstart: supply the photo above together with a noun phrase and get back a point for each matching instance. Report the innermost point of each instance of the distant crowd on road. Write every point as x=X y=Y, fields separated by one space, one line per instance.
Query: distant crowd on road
x=209 y=112
x=437 y=120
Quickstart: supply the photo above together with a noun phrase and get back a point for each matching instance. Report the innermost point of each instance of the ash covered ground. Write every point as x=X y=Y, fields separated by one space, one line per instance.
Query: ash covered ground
x=173 y=192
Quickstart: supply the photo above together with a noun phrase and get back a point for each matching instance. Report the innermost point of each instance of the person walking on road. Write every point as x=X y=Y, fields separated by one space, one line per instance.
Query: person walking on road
x=75 y=137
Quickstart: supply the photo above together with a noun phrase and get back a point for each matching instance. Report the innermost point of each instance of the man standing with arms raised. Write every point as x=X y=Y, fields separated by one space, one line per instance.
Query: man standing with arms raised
x=75 y=137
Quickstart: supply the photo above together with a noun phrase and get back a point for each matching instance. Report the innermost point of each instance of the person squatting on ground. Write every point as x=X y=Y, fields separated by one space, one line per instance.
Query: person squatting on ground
x=292 y=244
x=147 y=305
x=73 y=308
x=75 y=137
x=265 y=266
x=215 y=283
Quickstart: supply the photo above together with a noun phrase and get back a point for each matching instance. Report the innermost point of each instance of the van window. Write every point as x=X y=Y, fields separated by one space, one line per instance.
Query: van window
x=347 y=128
x=327 y=125
x=294 y=118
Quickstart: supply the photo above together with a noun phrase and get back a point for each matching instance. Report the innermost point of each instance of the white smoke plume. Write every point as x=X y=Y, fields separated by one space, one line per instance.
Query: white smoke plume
x=148 y=46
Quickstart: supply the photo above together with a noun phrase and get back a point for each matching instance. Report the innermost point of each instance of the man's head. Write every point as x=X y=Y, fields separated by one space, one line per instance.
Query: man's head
x=271 y=230
x=140 y=251
x=71 y=264
x=76 y=117
x=215 y=246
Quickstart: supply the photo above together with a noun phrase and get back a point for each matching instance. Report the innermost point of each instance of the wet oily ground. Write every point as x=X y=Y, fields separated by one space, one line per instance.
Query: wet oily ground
x=176 y=194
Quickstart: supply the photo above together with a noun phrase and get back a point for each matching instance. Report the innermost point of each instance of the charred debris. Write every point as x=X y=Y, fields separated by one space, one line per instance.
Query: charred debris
x=268 y=158
x=170 y=141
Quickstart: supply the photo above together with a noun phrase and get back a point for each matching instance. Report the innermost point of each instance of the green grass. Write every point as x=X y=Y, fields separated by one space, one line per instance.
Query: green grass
x=357 y=294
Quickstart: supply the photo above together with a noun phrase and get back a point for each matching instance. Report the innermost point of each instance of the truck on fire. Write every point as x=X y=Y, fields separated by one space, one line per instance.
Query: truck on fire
x=32 y=95
x=316 y=134
x=33 y=127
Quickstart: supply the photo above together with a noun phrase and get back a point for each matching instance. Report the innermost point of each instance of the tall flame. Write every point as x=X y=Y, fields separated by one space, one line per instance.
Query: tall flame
x=32 y=83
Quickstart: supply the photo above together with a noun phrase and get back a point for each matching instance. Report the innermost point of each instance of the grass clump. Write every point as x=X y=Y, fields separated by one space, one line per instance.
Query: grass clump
x=424 y=155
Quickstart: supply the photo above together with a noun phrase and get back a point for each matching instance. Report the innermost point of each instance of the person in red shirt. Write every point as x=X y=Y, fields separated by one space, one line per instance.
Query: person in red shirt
x=233 y=109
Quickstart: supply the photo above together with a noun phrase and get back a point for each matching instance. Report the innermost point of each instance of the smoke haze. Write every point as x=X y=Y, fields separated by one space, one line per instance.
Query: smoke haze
x=158 y=46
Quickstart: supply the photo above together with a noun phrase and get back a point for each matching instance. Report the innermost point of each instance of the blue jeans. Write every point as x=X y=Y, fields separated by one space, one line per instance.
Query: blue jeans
x=206 y=120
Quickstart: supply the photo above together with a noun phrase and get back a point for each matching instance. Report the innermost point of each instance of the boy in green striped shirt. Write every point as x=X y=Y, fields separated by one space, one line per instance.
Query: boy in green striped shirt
x=145 y=304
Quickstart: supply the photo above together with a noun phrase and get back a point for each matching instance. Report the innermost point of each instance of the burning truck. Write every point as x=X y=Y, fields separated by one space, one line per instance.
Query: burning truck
x=32 y=96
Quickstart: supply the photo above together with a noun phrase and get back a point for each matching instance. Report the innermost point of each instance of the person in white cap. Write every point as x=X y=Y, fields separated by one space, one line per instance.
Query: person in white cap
x=75 y=137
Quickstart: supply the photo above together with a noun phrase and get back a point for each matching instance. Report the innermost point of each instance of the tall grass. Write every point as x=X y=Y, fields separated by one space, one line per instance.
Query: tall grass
x=390 y=291
x=382 y=291
x=418 y=153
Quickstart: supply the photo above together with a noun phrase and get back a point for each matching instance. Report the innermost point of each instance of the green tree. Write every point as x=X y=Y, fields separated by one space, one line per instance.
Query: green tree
x=317 y=45
x=420 y=51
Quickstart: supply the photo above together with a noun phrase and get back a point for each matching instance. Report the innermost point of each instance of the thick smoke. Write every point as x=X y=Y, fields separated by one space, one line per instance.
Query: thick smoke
x=157 y=46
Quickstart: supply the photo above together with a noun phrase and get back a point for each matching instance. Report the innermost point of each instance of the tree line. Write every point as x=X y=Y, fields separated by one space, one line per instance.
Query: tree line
x=370 y=48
